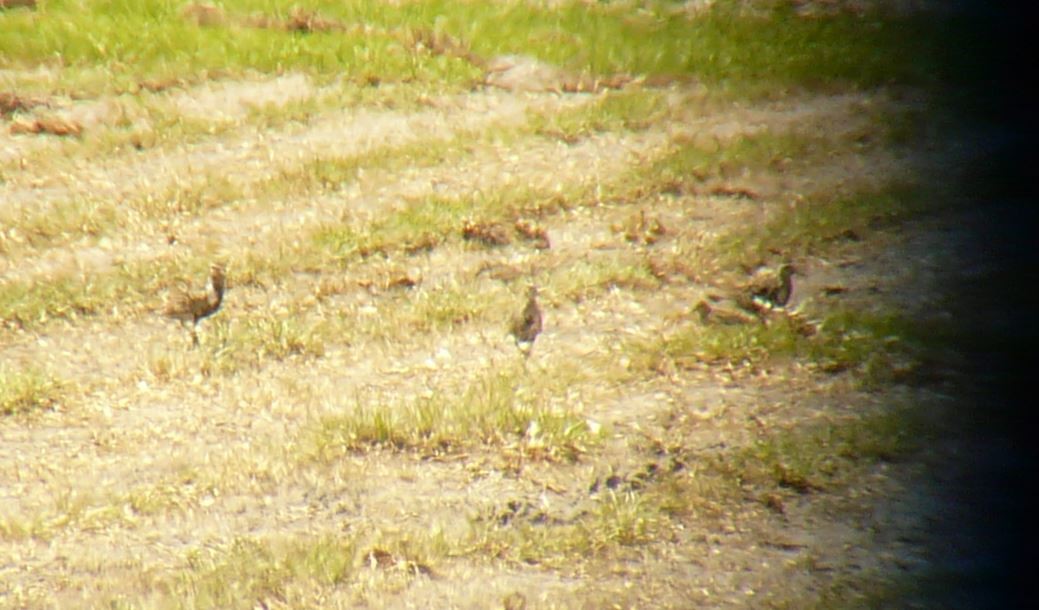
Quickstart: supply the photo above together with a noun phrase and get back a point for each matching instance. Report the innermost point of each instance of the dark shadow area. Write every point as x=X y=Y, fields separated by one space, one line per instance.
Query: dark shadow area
x=982 y=540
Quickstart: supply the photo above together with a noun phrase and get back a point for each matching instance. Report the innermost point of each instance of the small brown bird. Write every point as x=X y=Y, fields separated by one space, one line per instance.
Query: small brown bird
x=770 y=292
x=527 y=327
x=193 y=307
x=487 y=233
x=532 y=232
x=778 y=293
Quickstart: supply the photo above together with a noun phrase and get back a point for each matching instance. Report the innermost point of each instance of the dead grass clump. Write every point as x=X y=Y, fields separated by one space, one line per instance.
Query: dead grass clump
x=300 y=21
x=487 y=233
x=11 y=103
x=4 y=4
x=204 y=15
x=305 y=22
x=53 y=125
x=492 y=234
x=642 y=229
x=533 y=233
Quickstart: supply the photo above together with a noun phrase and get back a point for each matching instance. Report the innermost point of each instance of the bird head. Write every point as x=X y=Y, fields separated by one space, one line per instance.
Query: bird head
x=217 y=277
x=703 y=309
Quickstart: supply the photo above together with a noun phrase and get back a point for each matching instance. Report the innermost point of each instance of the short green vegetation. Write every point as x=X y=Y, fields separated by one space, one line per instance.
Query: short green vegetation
x=504 y=409
x=27 y=390
x=825 y=456
x=881 y=348
x=812 y=225
x=117 y=44
x=259 y=570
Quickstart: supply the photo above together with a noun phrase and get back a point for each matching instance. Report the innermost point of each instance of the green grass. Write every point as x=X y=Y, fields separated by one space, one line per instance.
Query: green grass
x=301 y=571
x=254 y=570
x=615 y=520
x=27 y=390
x=810 y=226
x=111 y=45
x=693 y=160
x=421 y=225
x=585 y=278
x=705 y=490
x=71 y=508
x=228 y=346
x=499 y=409
x=31 y=303
x=152 y=120
x=878 y=347
x=628 y=110
x=827 y=456
x=76 y=217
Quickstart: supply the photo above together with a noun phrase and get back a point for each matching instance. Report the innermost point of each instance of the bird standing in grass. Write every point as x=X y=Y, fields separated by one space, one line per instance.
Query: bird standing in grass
x=193 y=307
x=777 y=293
x=527 y=327
x=770 y=292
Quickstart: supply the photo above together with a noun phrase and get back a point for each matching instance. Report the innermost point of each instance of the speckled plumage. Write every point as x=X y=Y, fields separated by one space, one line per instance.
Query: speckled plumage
x=527 y=327
x=193 y=307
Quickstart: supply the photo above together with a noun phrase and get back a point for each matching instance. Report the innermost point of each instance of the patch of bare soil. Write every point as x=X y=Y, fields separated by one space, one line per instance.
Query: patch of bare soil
x=155 y=459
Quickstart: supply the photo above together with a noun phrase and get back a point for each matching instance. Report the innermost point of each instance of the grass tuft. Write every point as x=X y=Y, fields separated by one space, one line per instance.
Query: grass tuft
x=633 y=109
x=825 y=456
x=114 y=46
x=256 y=572
x=27 y=391
x=496 y=409
x=809 y=226
x=878 y=347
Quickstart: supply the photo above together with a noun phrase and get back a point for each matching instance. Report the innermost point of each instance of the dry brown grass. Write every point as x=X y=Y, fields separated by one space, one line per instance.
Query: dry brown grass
x=356 y=426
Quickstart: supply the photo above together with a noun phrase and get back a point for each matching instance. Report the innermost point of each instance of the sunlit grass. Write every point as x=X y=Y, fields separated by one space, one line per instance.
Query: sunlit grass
x=112 y=44
x=503 y=409
x=252 y=570
x=27 y=390
x=415 y=227
x=65 y=220
x=811 y=225
x=151 y=40
x=611 y=112
x=879 y=347
x=616 y=520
